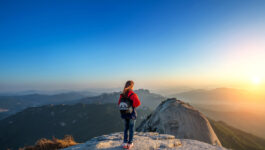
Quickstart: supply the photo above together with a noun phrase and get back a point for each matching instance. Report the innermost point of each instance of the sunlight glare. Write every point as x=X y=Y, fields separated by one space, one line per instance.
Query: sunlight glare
x=255 y=80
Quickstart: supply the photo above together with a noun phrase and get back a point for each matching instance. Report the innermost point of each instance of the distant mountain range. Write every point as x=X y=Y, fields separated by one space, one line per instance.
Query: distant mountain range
x=148 y=99
x=222 y=96
x=13 y=104
x=87 y=92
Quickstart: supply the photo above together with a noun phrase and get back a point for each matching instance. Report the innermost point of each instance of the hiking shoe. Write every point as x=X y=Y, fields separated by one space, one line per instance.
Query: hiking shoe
x=124 y=145
x=130 y=145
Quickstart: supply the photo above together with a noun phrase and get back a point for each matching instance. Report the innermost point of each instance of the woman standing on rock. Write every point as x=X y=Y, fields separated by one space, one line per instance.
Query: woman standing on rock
x=128 y=101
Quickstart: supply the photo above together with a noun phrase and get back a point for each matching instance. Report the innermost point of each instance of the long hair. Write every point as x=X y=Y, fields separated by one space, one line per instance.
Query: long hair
x=128 y=86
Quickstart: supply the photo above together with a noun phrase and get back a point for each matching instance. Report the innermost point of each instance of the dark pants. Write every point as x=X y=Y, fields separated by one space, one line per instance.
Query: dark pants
x=129 y=126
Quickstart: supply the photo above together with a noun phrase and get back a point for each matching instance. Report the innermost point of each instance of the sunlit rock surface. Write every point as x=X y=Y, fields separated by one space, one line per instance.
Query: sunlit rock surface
x=181 y=120
x=144 y=141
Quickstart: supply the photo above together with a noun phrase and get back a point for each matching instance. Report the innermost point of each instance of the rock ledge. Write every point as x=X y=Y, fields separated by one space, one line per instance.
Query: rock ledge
x=143 y=141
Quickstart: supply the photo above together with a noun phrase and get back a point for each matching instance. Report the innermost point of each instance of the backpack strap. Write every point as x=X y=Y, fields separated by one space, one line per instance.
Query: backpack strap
x=131 y=100
x=130 y=95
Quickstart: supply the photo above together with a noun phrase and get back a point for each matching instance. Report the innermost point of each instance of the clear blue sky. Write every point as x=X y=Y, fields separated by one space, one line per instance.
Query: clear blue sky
x=101 y=43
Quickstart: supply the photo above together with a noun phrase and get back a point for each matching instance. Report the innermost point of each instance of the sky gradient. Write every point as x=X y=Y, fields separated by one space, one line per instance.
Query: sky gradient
x=51 y=45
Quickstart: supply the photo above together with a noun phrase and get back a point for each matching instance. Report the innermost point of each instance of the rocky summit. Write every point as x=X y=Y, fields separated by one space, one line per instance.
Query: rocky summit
x=174 y=125
x=177 y=118
x=144 y=141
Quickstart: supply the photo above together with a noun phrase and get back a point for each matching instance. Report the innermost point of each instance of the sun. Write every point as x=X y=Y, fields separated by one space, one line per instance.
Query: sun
x=255 y=80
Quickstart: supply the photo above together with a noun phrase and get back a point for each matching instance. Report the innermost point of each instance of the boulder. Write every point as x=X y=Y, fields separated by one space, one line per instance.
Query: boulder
x=177 y=118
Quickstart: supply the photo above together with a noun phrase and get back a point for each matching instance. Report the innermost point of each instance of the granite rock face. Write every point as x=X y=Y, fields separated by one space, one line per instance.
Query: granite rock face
x=144 y=141
x=177 y=118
